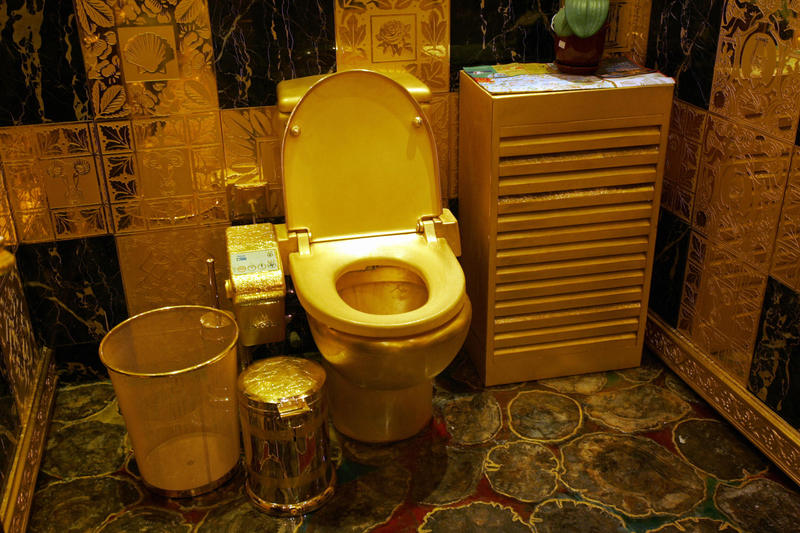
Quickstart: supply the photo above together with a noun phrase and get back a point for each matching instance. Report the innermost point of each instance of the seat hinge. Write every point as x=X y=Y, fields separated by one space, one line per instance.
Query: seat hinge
x=303 y=242
x=427 y=226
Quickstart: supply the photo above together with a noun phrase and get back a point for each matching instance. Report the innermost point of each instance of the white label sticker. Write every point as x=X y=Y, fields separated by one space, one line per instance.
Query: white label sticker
x=562 y=44
x=255 y=261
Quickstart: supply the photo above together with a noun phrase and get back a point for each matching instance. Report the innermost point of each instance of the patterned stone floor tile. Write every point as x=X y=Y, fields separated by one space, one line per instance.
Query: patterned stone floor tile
x=78 y=403
x=474 y=518
x=446 y=476
x=85 y=449
x=761 y=506
x=582 y=384
x=713 y=447
x=238 y=516
x=544 y=416
x=522 y=470
x=147 y=520
x=697 y=525
x=570 y=516
x=636 y=409
x=472 y=419
x=630 y=473
x=80 y=505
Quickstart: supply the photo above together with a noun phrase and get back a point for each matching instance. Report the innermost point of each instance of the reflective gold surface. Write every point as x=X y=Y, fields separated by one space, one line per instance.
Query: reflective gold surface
x=721 y=305
x=284 y=424
x=380 y=389
x=147 y=58
x=756 y=80
x=410 y=36
x=786 y=258
x=686 y=134
x=557 y=195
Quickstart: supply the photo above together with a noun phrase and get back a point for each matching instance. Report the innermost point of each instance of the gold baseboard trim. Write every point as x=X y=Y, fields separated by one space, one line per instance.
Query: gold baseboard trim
x=764 y=428
x=18 y=493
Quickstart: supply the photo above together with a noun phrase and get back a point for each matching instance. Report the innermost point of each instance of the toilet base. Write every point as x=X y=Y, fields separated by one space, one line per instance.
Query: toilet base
x=377 y=416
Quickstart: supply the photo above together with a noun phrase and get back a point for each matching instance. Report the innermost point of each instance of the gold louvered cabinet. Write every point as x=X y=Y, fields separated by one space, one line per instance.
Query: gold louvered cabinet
x=558 y=206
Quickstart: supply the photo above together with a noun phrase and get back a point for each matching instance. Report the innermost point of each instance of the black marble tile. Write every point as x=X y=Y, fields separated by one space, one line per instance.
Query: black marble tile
x=775 y=370
x=73 y=289
x=258 y=43
x=669 y=266
x=44 y=79
x=487 y=32
x=683 y=44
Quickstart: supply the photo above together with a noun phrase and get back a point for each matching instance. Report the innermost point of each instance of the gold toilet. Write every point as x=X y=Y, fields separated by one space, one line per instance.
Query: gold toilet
x=371 y=252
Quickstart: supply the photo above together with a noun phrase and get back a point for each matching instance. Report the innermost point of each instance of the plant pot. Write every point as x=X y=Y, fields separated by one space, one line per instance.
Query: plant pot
x=576 y=55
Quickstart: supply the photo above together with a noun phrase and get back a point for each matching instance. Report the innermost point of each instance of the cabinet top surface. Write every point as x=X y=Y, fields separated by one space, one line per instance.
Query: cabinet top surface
x=519 y=78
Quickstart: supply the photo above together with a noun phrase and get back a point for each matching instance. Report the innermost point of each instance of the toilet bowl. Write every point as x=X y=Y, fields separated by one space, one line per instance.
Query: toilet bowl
x=375 y=264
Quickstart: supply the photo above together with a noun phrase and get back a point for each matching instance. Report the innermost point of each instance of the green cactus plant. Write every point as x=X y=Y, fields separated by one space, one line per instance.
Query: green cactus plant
x=582 y=18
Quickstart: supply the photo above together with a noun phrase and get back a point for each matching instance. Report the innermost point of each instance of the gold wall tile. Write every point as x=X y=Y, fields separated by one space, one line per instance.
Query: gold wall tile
x=740 y=187
x=164 y=172
x=756 y=79
x=52 y=176
x=252 y=141
x=786 y=259
x=147 y=57
x=162 y=268
x=396 y=35
x=721 y=304
x=687 y=126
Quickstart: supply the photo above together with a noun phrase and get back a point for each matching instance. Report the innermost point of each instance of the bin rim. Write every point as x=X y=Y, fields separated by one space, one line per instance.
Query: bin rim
x=213 y=360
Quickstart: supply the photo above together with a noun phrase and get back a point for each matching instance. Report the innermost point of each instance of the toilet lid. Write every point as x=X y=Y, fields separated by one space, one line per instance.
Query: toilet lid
x=357 y=161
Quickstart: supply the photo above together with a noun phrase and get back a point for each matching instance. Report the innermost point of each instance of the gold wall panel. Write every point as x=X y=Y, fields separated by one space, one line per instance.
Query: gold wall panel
x=396 y=35
x=740 y=187
x=7 y=230
x=756 y=75
x=786 y=258
x=721 y=304
x=687 y=126
x=164 y=172
x=17 y=341
x=147 y=57
x=163 y=268
x=776 y=438
x=52 y=177
x=252 y=139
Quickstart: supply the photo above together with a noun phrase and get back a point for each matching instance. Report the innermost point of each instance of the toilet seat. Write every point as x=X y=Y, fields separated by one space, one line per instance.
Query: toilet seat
x=359 y=159
x=315 y=276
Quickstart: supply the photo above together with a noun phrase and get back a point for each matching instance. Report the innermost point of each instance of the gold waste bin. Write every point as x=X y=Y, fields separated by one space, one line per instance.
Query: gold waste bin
x=284 y=419
x=174 y=373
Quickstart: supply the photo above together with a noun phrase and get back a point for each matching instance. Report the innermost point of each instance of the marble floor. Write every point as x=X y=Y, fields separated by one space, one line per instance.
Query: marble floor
x=624 y=451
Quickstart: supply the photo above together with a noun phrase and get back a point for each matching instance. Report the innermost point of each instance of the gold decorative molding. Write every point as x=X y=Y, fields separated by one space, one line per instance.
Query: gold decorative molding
x=396 y=35
x=18 y=492
x=769 y=432
x=147 y=57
